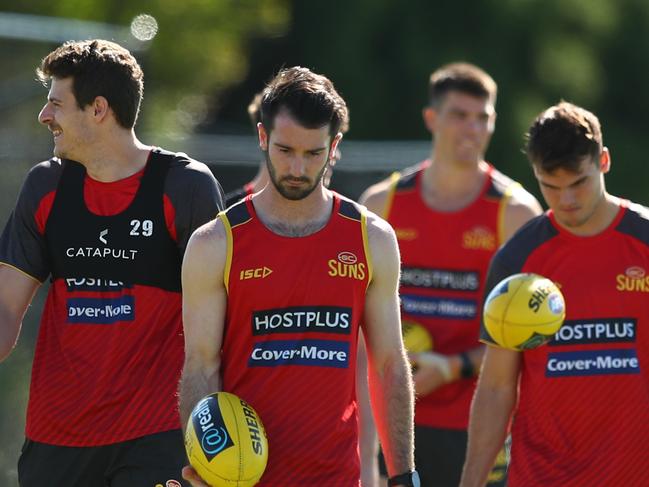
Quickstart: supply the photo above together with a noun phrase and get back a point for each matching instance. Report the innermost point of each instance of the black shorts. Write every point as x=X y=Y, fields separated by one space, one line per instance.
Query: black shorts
x=439 y=458
x=151 y=461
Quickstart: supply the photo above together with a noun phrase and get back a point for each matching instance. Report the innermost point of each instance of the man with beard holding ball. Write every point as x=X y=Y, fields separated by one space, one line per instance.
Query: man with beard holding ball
x=274 y=291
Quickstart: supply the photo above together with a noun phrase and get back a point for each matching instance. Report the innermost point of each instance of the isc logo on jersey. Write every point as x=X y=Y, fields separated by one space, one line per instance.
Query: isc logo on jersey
x=347 y=265
x=633 y=279
x=257 y=273
x=479 y=238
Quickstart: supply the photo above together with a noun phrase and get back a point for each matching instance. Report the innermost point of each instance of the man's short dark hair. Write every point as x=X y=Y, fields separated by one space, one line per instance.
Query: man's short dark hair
x=561 y=136
x=463 y=77
x=309 y=98
x=98 y=68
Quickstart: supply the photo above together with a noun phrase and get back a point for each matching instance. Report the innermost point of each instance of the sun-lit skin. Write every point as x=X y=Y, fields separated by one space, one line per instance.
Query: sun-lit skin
x=67 y=122
x=462 y=126
x=578 y=199
x=91 y=135
x=296 y=156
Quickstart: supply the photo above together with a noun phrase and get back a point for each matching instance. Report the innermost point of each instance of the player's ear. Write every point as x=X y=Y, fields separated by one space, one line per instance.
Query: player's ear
x=605 y=161
x=429 y=114
x=100 y=108
x=263 y=136
x=492 y=122
x=334 y=146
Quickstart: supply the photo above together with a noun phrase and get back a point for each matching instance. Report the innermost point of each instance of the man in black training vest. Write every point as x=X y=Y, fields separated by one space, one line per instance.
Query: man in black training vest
x=107 y=219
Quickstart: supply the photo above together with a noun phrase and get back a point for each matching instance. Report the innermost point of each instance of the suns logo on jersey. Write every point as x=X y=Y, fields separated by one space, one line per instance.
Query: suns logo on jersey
x=634 y=279
x=258 y=273
x=479 y=238
x=347 y=265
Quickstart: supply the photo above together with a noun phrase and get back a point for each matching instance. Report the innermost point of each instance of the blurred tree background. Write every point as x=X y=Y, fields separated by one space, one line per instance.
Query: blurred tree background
x=208 y=57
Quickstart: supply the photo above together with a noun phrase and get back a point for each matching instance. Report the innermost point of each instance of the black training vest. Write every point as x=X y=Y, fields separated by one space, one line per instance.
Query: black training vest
x=133 y=247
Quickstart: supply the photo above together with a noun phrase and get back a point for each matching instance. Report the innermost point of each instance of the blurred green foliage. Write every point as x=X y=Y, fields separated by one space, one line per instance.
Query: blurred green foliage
x=380 y=53
x=200 y=49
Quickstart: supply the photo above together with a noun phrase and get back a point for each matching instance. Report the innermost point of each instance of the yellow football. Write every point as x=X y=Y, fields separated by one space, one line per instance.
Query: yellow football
x=523 y=311
x=226 y=442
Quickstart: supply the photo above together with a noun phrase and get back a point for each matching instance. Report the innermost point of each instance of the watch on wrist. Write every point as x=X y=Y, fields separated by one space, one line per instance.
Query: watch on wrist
x=468 y=370
x=409 y=479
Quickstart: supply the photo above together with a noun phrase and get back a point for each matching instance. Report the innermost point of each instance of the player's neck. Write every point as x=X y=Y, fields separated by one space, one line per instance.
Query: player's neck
x=602 y=217
x=261 y=179
x=293 y=218
x=447 y=186
x=116 y=157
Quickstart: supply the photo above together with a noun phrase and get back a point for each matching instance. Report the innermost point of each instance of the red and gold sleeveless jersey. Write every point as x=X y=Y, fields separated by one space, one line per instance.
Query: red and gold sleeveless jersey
x=293 y=311
x=583 y=408
x=445 y=257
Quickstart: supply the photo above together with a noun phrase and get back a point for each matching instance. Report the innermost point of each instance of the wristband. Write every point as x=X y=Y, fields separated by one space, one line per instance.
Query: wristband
x=468 y=370
x=409 y=479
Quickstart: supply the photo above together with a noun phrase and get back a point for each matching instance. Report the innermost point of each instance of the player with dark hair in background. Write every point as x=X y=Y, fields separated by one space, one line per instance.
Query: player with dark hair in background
x=450 y=214
x=107 y=220
x=579 y=406
x=261 y=178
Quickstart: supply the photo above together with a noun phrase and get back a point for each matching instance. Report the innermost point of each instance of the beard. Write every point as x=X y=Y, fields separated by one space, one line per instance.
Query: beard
x=294 y=193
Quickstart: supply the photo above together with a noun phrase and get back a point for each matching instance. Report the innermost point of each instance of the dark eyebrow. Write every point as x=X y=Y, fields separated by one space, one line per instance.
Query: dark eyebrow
x=53 y=99
x=462 y=111
x=547 y=185
x=578 y=181
x=282 y=146
x=457 y=110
